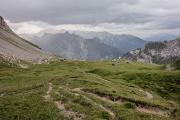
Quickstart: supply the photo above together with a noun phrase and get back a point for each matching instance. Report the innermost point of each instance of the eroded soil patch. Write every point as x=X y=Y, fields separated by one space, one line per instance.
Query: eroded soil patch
x=69 y=113
x=141 y=106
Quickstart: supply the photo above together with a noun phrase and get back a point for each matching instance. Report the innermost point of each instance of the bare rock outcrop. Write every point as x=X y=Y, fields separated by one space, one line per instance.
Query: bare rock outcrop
x=156 y=52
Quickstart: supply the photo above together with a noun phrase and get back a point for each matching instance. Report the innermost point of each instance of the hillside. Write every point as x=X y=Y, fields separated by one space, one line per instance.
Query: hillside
x=72 y=46
x=156 y=52
x=13 y=47
x=84 y=90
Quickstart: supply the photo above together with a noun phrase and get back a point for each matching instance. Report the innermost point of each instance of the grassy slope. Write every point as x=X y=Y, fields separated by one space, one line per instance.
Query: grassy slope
x=89 y=88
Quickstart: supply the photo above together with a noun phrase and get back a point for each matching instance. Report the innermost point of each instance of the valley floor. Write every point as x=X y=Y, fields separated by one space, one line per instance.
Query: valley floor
x=89 y=90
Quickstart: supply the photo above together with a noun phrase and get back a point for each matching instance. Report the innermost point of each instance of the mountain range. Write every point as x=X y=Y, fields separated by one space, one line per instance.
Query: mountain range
x=123 y=42
x=72 y=46
x=88 y=45
x=80 y=45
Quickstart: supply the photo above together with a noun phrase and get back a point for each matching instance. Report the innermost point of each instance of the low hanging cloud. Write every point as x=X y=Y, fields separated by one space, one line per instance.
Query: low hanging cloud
x=116 y=16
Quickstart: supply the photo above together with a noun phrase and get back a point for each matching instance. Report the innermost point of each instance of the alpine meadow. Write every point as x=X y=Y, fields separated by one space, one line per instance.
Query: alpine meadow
x=89 y=60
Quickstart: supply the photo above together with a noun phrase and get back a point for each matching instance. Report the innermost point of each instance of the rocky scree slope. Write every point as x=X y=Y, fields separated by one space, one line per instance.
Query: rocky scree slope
x=13 y=47
x=156 y=52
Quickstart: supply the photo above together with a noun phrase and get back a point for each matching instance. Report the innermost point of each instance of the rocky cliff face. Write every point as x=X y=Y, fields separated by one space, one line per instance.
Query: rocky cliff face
x=4 y=26
x=2 y=23
x=156 y=52
x=13 y=47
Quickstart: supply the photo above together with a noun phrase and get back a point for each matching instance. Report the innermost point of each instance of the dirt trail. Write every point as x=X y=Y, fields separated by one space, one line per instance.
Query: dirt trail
x=107 y=110
x=139 y=108
x=96 y=104
x=77 y=116
x=152 y=111
x=106 y=99
x=102 y=107
x=68 y=113
x=169 y=68
x=47 y=97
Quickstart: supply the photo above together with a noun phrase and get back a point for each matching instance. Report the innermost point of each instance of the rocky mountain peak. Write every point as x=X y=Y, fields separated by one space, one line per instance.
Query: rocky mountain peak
x=2 y=22
x=156 y=52
x=3 y=25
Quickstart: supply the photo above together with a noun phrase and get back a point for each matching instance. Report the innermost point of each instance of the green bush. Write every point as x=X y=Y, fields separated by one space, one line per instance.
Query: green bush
x=101 y=72
x=155 y=45
x=130 y=105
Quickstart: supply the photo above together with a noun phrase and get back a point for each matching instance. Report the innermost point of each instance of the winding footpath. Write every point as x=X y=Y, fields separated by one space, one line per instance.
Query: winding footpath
x=61 y=107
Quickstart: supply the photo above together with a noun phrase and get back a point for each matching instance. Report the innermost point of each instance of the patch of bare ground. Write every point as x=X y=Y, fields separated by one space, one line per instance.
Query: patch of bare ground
x=148 y=95
x=23 y=66
x=154 y=111
x=106 y=99
x=1 y=95
x=69 y=113
x=169 y=67
x=48 y=97
x=77 y=89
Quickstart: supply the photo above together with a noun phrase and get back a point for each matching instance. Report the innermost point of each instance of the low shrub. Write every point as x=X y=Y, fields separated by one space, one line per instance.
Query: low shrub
x=130 y=105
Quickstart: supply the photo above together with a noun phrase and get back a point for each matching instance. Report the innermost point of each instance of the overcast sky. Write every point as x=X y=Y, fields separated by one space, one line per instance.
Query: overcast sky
x=138 y=17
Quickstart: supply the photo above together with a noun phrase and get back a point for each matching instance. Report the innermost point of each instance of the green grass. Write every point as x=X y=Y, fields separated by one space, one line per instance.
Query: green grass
x=91 y=88
x=176 y=64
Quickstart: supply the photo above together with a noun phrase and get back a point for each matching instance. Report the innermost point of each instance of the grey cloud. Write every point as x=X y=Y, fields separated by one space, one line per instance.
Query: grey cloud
x=90 y=12
x=60 y=11
x=171 y=22
x=129 y=18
